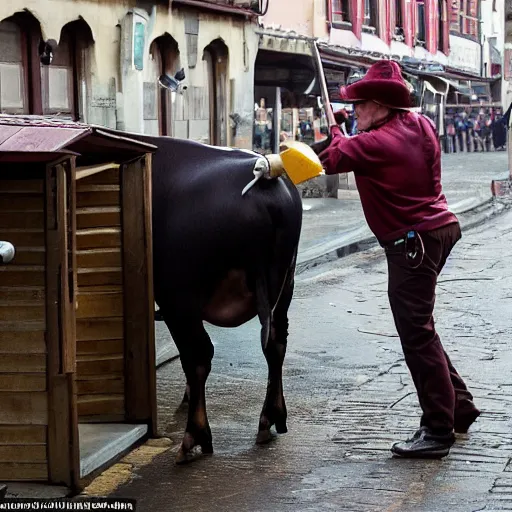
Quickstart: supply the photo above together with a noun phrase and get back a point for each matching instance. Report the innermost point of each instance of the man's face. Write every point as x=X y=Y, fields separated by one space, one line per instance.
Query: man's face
x=366 y=112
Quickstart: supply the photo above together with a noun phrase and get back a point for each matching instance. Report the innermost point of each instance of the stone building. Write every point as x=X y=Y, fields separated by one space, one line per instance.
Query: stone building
x=107 y=58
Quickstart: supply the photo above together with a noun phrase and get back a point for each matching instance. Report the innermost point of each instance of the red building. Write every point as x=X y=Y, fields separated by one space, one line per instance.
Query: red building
x=426 y=23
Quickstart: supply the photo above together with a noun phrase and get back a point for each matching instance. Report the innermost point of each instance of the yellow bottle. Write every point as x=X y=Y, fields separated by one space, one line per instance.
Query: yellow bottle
x=298 y=160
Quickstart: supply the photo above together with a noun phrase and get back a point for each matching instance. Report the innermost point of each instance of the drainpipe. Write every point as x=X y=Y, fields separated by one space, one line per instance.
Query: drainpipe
x=482 y=38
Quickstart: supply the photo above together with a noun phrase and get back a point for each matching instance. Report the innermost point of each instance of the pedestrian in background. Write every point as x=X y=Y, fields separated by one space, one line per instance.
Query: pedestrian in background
x=396 y=160
x=450 y=134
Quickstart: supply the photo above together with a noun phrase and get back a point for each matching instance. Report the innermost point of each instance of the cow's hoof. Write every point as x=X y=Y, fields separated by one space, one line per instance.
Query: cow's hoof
x=190 y=450
x=183 y=457
x=264 y=437
x=281 y=427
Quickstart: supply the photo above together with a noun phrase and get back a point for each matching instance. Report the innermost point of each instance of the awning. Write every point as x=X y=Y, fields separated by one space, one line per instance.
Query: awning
x=464 y=90
x=436 y=85
x=296 y=73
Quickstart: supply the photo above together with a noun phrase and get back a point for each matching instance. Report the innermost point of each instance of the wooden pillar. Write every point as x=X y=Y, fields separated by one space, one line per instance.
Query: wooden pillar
x=63 y=448
x=137 y=251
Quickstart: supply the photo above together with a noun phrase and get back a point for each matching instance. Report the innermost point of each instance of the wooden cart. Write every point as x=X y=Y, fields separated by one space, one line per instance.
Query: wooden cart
x=77 y=347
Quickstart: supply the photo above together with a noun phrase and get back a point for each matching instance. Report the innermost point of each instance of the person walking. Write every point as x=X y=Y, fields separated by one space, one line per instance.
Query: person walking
x=396 y=160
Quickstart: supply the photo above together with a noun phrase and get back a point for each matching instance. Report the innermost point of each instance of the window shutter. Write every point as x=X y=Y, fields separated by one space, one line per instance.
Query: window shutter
x=431 y=9
x=329 y=12
x=409 y=21
x=357 y=16
x=446 y=28
x=388 y=25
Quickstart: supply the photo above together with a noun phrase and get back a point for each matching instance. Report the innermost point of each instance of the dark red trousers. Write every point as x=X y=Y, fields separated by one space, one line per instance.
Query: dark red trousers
x=412 y=296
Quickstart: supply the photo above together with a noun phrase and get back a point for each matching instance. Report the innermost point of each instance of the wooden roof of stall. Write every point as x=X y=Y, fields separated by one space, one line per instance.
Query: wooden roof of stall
x=44 y=139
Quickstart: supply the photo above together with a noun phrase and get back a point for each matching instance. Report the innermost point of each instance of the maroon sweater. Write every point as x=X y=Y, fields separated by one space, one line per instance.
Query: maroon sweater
x=398 y=174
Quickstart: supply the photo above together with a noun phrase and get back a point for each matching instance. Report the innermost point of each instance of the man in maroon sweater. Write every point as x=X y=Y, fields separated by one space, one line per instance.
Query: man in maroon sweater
x=396 y=160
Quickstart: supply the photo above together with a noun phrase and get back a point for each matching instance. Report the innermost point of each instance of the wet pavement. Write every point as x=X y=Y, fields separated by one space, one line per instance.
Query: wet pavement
x=349 y=396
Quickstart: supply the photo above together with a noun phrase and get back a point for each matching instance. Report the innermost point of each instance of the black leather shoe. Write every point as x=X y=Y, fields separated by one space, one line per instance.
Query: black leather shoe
x=465 y=415
x=424 y=444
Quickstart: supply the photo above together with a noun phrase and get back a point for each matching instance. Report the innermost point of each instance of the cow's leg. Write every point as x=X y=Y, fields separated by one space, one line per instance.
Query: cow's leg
x=196 y=353
x=274 y=408
x=186 y=398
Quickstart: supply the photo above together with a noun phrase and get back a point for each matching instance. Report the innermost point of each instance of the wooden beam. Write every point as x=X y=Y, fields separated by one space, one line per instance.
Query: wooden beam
x=140 y=372
x=85 y=171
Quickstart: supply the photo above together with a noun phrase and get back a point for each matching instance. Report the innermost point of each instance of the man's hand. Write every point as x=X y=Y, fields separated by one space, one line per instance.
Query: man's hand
x=330 y=156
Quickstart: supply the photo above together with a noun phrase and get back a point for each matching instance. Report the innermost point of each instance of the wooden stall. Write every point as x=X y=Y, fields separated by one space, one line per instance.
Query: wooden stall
x=77 y=345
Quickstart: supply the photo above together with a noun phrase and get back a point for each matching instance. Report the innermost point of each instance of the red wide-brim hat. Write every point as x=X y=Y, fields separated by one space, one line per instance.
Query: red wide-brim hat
x=383 y=83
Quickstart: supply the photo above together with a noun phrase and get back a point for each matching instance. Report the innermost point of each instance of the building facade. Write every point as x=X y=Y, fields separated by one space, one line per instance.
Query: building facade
x=450 y=52
x=107 y=59
x=246 y=68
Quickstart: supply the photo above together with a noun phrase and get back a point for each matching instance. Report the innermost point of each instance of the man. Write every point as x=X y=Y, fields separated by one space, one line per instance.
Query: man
x=396 y=160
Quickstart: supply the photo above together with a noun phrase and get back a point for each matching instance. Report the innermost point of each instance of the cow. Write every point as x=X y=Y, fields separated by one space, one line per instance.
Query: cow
x=223 y=258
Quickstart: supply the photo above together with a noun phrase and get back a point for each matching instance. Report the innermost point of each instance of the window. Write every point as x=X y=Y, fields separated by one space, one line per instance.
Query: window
x=370 y=13
x=420 y=26
x=441 y=26
x=472 y=18
x=399 y=26
x=27 y=86
x=453 y=12
x=57 y=81
x=464 y=17
x=340 y=11
x=13 y=92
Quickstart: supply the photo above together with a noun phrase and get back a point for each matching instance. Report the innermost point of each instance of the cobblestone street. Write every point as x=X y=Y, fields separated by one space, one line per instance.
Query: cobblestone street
x=349 y=396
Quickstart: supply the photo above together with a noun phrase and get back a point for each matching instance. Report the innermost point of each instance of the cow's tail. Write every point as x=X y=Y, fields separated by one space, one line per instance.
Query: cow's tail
x=264 y=308
x=267 y=299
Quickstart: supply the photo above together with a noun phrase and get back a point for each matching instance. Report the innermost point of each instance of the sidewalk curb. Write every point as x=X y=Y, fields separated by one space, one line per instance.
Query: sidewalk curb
x=469 y=217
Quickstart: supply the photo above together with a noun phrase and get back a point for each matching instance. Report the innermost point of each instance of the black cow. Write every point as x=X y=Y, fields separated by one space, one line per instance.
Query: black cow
x=223 y=258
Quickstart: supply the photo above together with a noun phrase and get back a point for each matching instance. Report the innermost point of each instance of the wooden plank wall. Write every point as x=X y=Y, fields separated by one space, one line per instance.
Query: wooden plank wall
x=100 y=336
x=23 y=350
x=139 y=297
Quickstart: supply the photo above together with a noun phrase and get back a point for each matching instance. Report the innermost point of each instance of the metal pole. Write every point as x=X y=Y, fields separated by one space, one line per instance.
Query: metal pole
x=323 y=86
x=277 y=121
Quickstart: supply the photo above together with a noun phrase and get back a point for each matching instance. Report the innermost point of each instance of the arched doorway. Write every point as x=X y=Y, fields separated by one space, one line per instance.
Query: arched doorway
x=216 y=55
x=166 y=55
x=64 y=81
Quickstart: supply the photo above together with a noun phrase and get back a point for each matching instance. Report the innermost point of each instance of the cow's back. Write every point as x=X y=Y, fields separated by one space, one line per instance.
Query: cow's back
x=203 y=227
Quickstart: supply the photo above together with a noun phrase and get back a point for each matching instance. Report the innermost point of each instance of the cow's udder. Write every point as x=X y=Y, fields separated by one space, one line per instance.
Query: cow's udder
x=232 y=303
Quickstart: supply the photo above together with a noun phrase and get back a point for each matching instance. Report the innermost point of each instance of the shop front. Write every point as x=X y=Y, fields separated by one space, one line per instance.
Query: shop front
x=286 y=92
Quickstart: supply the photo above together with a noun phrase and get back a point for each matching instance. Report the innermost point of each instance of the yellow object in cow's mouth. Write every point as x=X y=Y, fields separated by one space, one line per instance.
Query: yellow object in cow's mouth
x=300 y=162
